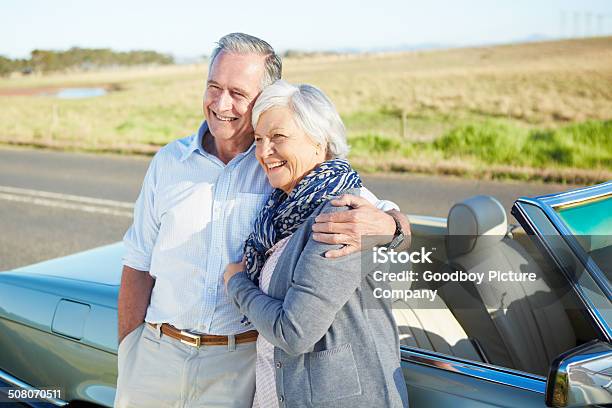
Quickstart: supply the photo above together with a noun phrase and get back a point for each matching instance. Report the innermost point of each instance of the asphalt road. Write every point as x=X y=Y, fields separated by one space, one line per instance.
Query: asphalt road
x=54 y=204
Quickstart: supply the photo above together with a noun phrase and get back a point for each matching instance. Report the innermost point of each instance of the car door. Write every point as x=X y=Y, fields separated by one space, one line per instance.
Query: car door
x=447 y=359
x=439 y=380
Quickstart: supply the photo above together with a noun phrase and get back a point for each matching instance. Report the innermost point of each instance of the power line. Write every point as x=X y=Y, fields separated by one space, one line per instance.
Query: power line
x=576 y=24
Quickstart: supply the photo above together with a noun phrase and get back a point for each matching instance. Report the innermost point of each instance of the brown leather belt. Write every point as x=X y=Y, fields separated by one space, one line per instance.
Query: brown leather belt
x=197 y=340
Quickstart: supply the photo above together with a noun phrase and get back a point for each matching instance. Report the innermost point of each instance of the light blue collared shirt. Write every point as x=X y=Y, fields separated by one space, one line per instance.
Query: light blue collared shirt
x=191 y=219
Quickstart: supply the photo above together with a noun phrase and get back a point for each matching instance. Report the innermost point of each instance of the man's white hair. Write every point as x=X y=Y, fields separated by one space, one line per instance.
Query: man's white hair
x=313 y=112
x=240 y=43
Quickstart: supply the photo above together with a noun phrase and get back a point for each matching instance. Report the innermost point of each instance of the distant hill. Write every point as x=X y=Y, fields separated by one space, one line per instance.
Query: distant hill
x=81 y=58
x=424 y=46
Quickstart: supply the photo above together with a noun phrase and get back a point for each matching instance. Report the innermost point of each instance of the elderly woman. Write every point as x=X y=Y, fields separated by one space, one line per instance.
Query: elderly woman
x=318 y=346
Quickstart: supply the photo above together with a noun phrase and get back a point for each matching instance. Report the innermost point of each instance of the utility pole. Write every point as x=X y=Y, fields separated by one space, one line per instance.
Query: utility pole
x=576 y=24
x=588 y=32
x=562 y=24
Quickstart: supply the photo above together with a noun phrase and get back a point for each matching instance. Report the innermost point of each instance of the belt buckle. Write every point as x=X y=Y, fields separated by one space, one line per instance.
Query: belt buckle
x=196 y=338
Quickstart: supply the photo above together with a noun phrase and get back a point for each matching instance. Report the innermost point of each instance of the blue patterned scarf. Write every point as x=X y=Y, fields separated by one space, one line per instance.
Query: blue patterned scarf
x=283 y=214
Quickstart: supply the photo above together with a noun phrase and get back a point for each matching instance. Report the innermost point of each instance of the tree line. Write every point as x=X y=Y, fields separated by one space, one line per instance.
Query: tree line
x=80 y=58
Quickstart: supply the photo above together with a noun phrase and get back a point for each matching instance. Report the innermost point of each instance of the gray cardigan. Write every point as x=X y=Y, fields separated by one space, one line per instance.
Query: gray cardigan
x=330 y=349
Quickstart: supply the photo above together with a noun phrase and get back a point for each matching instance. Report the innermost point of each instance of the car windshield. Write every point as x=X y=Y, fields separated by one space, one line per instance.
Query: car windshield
x=590 y=221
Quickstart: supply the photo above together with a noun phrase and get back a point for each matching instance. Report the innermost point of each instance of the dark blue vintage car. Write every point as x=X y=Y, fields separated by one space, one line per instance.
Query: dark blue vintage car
x=501 y=344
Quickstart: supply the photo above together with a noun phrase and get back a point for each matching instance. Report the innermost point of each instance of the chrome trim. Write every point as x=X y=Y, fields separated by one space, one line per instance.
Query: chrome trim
x=580 y=202
x=592 y=310
x=581 y=376
x=6 y=377
x=481 y=371
x=577 y=195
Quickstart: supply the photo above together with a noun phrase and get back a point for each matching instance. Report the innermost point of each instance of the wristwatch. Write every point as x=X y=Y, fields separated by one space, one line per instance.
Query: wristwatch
x=398 y=236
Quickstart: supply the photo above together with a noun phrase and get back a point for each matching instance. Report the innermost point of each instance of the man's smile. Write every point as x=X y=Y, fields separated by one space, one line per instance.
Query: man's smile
x=223 y=118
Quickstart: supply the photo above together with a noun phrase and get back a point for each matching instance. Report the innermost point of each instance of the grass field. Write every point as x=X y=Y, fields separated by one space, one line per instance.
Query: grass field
x=528 y=111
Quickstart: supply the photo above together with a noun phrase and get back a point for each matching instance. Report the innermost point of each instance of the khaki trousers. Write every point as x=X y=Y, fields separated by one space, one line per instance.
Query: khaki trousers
x=159 y=371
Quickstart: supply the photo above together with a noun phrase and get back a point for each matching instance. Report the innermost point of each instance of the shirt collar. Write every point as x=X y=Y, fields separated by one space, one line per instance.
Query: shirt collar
x=196 y=142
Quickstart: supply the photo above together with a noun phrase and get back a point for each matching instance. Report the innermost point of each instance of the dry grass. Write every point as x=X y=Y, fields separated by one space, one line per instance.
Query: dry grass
x=537 y=83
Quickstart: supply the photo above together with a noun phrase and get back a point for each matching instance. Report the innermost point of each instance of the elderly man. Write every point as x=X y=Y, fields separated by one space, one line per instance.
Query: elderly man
x=182 y=343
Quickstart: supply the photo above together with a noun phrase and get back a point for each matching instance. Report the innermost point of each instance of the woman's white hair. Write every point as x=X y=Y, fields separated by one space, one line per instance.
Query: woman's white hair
x=312 y=111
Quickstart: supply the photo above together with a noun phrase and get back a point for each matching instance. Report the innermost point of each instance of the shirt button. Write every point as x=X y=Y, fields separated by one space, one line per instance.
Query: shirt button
x=211 y=290
x=281 y=398
x=279 y=364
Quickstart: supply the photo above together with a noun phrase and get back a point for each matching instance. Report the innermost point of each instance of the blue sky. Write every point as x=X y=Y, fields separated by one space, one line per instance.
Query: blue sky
x=190 y=27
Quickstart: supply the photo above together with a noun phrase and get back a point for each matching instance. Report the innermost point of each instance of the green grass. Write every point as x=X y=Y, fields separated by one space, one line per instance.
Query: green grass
x=374 y=144
x=490 y=141
x=586 y=145
x=581 y=145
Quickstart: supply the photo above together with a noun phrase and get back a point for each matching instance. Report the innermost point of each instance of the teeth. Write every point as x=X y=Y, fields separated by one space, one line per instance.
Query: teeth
x=224 y=118
x=275 y=165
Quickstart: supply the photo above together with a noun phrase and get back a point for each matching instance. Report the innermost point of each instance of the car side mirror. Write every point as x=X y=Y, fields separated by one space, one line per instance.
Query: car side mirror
x=581 y=376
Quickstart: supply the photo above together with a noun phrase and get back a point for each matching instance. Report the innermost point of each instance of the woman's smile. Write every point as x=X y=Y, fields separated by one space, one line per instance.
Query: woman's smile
x=276 y=165
x=285 y=151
